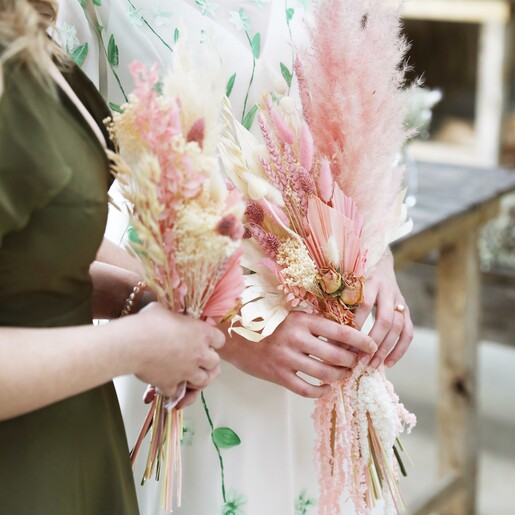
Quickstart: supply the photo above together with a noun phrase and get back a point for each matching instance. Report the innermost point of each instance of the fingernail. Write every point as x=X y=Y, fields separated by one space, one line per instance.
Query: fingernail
x=389 y=364
x=372 y=347
x=365 y=359
x=375 y=362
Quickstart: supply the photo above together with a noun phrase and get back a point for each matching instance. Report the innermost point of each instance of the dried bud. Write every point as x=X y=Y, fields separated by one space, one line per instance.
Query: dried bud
x=196 y=132
x=330 y=280
x=306 y=182
x=254 y=213
x=230 y=226
x=352 y=293
x=271 y=244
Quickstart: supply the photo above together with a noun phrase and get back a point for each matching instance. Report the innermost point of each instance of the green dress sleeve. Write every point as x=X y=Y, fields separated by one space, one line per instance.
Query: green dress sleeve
x=27 y=182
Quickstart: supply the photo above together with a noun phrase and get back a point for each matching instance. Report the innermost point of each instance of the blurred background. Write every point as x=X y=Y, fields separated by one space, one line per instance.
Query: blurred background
x=464 y=50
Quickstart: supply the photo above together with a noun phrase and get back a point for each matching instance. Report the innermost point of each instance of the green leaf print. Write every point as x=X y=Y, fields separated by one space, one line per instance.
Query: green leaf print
x=187 y=433
x=234 y=504
x=304 y=503
x=97 y=2
x=225 y=437
x=176 y=35
x=289 y=13
x=256 y=45
x=112 y=52
x=286 y=73
x=82 y=3
x=79 y=54
x=230 y=85
x=158 y=88
x=116 y=108
x=249 y=117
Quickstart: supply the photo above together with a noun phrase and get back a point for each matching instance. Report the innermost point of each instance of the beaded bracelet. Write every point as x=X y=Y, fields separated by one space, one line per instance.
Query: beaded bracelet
x=129 y=303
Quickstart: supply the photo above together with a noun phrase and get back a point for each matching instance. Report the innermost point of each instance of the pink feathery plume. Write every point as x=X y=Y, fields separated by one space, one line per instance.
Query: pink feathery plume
x=330 y=448
x=351 y=81
x=325 y=183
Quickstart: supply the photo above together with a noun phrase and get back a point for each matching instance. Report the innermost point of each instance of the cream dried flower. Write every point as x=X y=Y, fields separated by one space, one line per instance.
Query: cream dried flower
x=299 y=269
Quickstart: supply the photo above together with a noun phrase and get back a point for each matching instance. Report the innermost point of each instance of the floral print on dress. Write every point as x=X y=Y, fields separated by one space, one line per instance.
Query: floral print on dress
x=68 y=37
x=240 y=20
x=161 y=17
x=188 y=432
x=259 y=3
x=207 y=8
x=234 y=504
x=303 y=504
x=135 y=15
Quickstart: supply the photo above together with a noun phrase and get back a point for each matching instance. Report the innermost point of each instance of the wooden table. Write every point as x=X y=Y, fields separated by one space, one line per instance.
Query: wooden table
x=452 y=204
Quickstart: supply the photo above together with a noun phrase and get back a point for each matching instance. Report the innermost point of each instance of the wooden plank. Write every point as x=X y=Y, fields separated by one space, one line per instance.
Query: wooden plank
x=492 y=88
x=464 y=11
x=458 y=322
x=436 y=496
x=443 y=233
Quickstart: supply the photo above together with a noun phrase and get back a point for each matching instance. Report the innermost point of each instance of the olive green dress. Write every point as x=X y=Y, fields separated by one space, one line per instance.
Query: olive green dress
x=70 y=458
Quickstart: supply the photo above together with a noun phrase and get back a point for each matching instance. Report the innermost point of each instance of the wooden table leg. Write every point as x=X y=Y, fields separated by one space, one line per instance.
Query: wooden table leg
x=458 y=325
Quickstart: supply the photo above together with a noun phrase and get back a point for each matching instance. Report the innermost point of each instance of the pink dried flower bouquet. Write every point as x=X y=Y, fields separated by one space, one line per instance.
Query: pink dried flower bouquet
x=323 y=201
x=187 y=223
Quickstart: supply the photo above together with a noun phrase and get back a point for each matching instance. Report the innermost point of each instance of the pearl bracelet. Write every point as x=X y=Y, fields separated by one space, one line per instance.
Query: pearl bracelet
x=129 y=303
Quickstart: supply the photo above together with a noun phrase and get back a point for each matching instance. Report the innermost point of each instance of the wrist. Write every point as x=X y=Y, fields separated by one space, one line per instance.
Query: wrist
x=129 y=337
x=131 y=302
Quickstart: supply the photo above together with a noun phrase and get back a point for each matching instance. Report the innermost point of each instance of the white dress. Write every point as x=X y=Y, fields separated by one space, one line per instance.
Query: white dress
x=270 y=472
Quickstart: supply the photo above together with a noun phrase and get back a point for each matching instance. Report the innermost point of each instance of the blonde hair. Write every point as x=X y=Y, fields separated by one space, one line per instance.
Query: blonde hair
x=24 y=35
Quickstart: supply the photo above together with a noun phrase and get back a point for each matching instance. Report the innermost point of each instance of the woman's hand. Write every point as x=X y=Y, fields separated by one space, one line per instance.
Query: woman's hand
x=392 y=330
x=175 y=349
x=295 y=347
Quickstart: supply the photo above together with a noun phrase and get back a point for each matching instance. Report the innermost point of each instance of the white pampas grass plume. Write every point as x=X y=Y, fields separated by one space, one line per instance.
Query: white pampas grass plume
x=257 y=187
x=217 y=186
x=331 y=251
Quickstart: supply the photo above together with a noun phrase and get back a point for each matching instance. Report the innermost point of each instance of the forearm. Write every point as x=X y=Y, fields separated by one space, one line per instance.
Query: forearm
x=113 y=254
x=43 y=366
x=111 y=287
x=115 y=273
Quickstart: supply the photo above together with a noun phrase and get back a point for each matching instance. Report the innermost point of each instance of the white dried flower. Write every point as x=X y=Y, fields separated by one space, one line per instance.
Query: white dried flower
x=331 y=252
x=257 y=187
x=299 y=269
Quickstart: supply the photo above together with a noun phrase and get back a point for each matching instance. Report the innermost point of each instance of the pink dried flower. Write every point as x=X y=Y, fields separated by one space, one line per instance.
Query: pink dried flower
x=306 y=182
x=197 y=132
x=230 y=226
x=254 y=213
x=325 y=181
x=307 y=149
x=273 y=212
x=284 y=133
x=269 y=242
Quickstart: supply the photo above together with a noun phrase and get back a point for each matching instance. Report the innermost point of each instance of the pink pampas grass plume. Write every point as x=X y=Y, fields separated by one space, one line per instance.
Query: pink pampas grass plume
x=351 y=80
